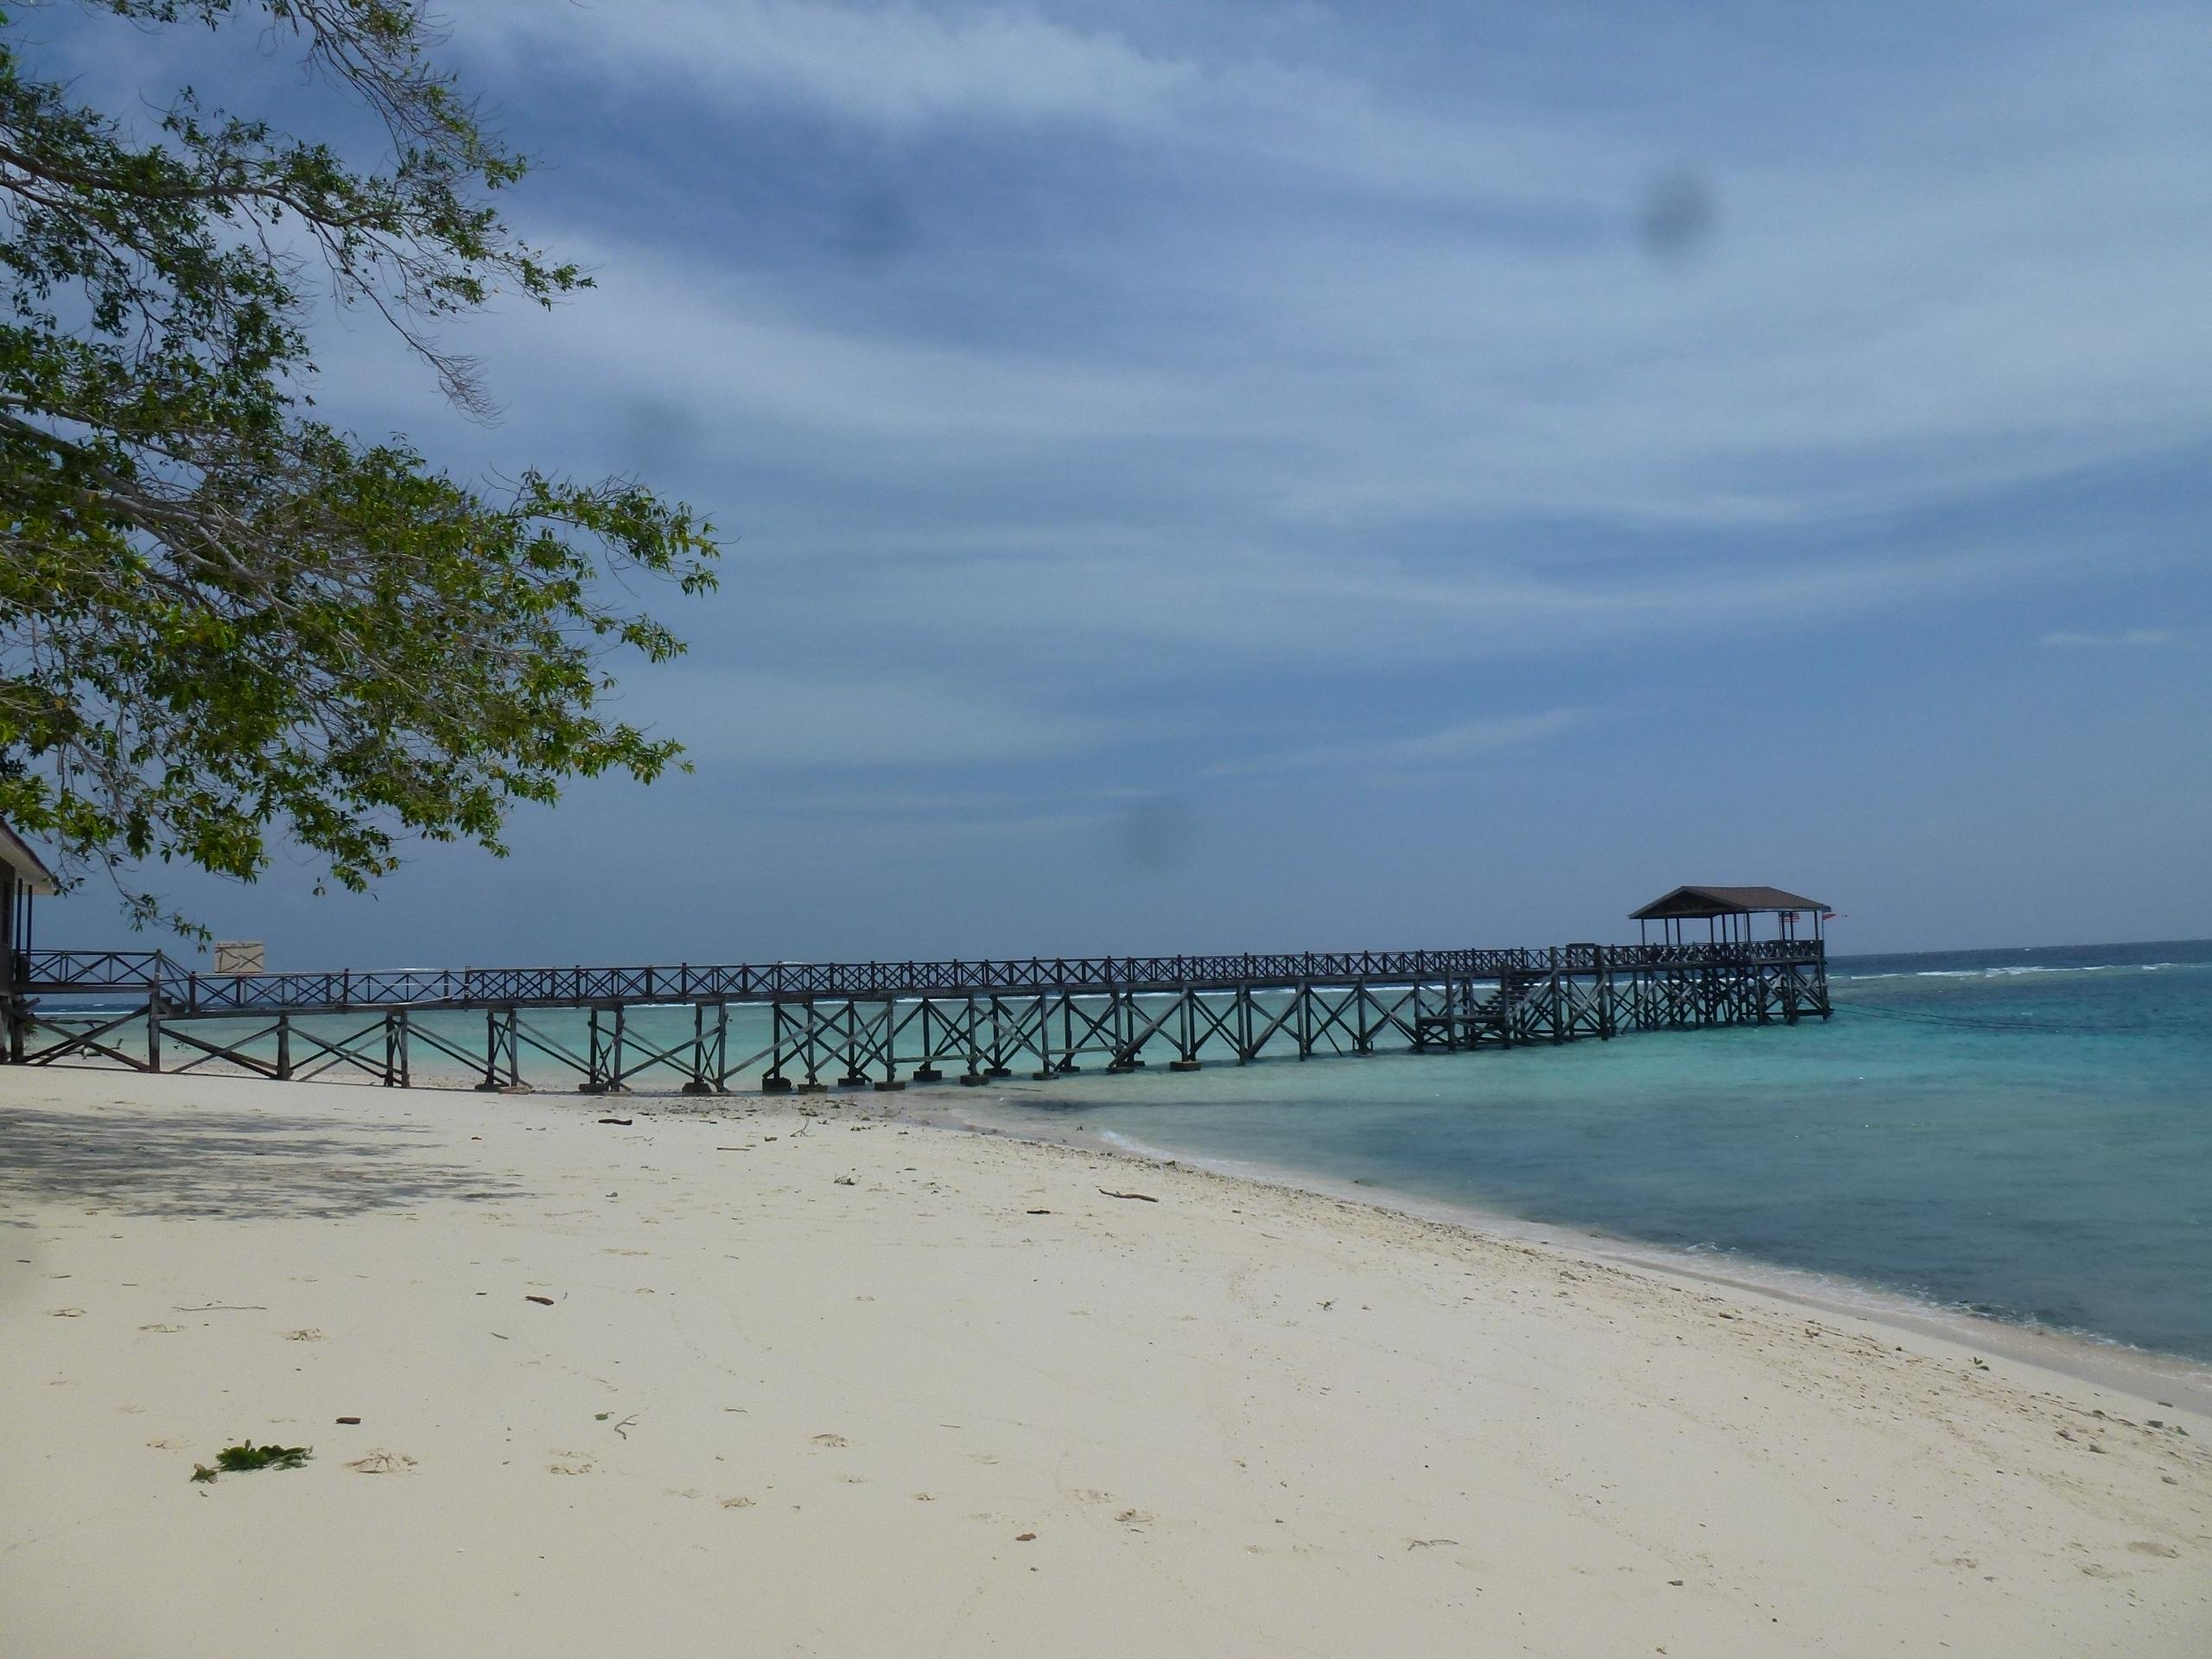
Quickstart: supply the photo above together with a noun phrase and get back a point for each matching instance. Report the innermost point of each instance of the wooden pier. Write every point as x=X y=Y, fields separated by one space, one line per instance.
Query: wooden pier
x=886 y=1025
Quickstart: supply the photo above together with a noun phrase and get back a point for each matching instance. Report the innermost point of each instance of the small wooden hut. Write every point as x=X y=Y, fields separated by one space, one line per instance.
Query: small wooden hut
x=23 y=876
x=1730 y=914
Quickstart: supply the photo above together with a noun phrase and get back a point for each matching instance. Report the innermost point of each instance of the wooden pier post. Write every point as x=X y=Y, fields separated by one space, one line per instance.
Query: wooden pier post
x=772 y=1081
x=809 y=1037
x=1186 y=1055
x=974 y=1074
x=927 y=1071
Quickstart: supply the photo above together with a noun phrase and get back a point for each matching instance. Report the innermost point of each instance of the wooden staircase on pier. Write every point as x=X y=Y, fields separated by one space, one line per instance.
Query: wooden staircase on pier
x=1504 y=1017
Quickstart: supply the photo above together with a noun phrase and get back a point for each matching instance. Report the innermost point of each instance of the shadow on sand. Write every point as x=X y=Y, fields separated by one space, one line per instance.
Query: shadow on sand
x=230 y=1164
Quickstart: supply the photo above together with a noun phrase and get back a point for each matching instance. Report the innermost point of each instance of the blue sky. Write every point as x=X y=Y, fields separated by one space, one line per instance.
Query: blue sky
x=1215 y=475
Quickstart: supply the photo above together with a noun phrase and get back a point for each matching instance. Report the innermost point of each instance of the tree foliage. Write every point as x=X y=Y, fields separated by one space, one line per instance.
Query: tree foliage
x=222 y=619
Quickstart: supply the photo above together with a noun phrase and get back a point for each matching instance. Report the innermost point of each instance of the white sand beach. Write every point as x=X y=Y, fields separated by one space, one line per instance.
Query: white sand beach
x=741 y=1377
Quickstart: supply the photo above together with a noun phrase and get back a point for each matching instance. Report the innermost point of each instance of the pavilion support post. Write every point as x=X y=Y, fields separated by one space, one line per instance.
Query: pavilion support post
x=153 y=1031
x=283 y=1047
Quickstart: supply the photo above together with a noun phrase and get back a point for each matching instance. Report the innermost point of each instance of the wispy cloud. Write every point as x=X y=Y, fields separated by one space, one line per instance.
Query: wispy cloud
x=1458 y=745
x=1253 y=93
x=2071 y=639
x=895 y=65
x=830 y=716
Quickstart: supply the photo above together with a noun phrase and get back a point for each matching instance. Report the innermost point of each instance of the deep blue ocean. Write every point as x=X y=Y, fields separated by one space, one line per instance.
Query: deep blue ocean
x=2026 y=1134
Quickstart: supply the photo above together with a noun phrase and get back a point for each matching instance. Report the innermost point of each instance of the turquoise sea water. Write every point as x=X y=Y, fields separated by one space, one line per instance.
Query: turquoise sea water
x=2026 y=1134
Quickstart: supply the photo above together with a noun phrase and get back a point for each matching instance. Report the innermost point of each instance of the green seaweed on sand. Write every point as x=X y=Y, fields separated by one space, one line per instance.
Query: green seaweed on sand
x=245 y=1457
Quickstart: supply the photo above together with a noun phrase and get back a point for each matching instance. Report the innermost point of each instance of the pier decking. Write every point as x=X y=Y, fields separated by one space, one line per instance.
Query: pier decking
x=886 y=1024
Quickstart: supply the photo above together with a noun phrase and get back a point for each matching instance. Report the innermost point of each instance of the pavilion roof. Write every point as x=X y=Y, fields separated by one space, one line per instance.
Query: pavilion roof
x=1722 y=901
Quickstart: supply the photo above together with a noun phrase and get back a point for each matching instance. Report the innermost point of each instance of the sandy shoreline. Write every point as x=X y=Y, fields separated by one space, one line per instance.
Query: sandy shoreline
x=808 y=1375
x=2113 y=1366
